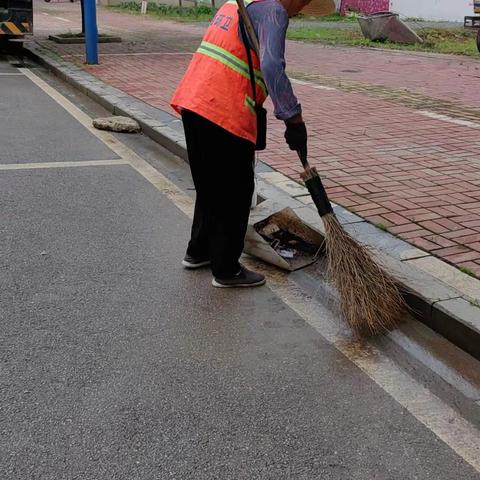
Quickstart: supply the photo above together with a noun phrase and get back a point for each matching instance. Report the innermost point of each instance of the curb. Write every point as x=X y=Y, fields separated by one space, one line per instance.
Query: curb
x=439 y=295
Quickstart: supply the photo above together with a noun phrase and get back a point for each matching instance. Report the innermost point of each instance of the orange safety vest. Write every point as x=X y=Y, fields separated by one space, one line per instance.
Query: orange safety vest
x=217 y=83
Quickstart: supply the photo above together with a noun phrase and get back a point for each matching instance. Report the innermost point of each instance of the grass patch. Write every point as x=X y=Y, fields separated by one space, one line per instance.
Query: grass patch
x=439 y=40
x=467 y=271
x=201 y=13
x=333 y=17
x=381 y=226
x=329 y=35
x=456 y=41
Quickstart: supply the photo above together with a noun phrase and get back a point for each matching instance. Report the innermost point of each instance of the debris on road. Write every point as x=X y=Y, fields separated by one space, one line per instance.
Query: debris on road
x=117 y=124
x=281 y=238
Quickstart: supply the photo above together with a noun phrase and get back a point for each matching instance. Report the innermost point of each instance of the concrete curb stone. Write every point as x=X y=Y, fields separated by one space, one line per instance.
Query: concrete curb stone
x=448 y=310
x=455 y=319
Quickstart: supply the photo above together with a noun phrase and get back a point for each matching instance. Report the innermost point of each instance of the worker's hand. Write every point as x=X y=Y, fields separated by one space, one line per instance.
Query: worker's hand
x=296 y=134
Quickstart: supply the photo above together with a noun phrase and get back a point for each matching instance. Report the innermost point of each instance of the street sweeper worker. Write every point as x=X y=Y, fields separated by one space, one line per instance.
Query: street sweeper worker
x=219 y=99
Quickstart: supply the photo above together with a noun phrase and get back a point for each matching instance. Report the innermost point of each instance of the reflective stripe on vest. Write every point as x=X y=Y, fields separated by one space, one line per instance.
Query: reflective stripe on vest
x=217 y=85
x=250 y=103
x=231 y=61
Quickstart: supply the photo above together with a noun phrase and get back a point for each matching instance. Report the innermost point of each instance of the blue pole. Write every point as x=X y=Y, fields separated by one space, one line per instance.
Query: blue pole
x=91 y=33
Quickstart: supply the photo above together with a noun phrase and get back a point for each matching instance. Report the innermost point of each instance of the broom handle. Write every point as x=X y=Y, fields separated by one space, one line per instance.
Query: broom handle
x=302 y=155
x=314 y=185
x=248 y=26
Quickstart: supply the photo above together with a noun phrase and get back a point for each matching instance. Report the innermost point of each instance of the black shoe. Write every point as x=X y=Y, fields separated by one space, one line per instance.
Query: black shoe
x=192 y=263
x=244 y=278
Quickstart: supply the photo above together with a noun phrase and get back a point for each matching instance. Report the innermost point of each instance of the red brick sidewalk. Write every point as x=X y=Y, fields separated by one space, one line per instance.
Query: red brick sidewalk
x=396 y=134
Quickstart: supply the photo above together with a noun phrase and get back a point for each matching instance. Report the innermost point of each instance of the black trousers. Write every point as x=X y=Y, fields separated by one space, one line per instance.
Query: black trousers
x=222 y=171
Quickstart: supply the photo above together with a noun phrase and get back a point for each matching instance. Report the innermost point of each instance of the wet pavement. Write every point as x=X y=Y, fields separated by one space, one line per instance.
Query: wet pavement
x=119 y=364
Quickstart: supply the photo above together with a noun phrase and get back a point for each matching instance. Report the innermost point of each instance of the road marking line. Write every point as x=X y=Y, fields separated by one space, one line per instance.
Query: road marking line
x=459 y=434
x=445 y=422
x=44 y=13
x=170 y=190
x=38 y=165
x=447 y=118
x=63 y=19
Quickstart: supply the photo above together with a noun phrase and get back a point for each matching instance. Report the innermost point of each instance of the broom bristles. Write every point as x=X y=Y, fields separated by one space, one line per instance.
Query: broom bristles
x=369 y=298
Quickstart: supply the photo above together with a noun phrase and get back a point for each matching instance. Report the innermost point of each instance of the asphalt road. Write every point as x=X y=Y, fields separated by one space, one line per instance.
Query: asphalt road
x=118 y=364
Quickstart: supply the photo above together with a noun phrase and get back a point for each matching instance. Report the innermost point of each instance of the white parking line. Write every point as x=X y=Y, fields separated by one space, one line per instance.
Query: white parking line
x=459 y=434
x=63 y=19
x=441 y=419
x=38 y=165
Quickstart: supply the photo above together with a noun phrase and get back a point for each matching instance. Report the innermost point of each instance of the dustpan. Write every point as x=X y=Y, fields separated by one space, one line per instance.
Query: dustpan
x=278 y=236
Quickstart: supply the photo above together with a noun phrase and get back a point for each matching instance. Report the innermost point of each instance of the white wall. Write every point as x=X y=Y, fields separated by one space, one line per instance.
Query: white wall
x=453 y=10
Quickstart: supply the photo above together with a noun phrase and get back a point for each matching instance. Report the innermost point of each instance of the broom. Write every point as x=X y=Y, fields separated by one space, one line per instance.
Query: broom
x=252 y=36
x=368 y=296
